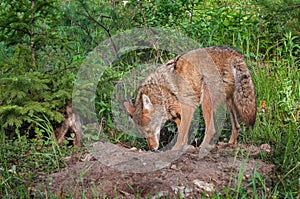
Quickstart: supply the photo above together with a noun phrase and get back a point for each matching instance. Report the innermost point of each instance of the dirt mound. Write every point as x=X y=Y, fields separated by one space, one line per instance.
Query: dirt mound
x=188 y=175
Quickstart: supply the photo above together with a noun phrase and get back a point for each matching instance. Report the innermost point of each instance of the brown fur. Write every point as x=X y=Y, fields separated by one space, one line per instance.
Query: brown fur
x=71 y=123
x=177 y=88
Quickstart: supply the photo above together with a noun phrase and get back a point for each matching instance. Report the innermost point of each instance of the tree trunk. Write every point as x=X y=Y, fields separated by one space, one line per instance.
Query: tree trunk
x=32 y=34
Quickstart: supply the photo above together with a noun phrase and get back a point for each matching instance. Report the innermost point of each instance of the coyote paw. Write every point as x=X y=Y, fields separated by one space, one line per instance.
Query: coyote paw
x=184 y=148
x=224 y=144
x=189 y=148
x=205 y=149
x=232 y=141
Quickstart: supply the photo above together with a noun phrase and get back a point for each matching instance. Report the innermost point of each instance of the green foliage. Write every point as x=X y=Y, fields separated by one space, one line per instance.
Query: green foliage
x=25 y=96
x=282 y=16
x=21 y=19
x=34 y=81
x=219 y=23
x=90 y=22
x=27 y=23
x=164 y=13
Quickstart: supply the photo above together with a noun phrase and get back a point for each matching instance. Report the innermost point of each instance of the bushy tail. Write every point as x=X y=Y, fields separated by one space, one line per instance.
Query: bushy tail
x=244 y=95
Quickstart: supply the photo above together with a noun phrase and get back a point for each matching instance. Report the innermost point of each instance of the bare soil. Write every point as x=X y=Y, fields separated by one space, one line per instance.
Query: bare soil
x=187 y=176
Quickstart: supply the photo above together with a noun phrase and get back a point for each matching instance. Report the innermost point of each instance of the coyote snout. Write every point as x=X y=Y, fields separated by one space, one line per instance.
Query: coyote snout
x=148 y=122
x=153 y=141
x=174 y=90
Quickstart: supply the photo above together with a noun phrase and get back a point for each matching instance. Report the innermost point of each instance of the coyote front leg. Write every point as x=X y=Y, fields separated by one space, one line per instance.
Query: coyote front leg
x=186 y=116
x=207 y=109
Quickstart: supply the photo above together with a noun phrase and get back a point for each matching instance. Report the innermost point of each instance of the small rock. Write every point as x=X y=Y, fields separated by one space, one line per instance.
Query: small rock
x=173 y=167
x=161 y=194
x=67 y=158
x=133 y=149
x=247 y=176
x=187 y=190
x=182 y=190
x=265 y=147
x=204 y=185
x=125 y=193
x=176 y=189
x=87 y=157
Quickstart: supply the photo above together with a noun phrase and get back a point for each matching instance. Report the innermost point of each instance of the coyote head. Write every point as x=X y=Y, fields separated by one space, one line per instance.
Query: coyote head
x=147 y=119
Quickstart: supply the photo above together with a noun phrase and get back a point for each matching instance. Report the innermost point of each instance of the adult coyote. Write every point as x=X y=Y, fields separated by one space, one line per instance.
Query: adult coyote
x=175 y=89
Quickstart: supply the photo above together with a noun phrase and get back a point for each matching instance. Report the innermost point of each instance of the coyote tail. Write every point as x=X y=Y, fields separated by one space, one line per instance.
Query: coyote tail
x=244 y=95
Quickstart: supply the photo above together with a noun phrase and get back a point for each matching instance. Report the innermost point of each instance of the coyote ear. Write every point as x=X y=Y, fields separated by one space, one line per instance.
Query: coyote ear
x=129 y=107
x=147 y=105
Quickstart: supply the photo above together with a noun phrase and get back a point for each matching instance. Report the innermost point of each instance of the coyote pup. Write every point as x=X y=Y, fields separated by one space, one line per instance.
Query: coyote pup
x=175 y=89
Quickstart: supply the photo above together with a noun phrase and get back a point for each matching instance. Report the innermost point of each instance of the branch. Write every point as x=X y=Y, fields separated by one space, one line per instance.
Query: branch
x=85 y=29
x=102 y=26
x=143 y=14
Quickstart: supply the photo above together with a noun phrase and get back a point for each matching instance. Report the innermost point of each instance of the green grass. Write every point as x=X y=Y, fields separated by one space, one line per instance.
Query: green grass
x=23 y=160
x=278 y=84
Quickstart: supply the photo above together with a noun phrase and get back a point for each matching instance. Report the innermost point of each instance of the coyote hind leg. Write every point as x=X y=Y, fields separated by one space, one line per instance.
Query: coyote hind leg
x=235 y=127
